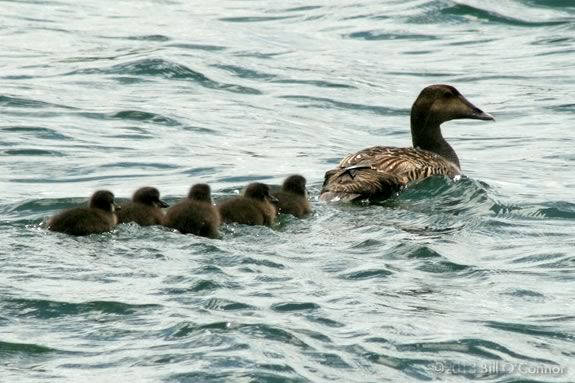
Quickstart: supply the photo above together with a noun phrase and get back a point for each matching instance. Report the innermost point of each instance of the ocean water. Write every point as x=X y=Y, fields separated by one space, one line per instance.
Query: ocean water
x=450 y=281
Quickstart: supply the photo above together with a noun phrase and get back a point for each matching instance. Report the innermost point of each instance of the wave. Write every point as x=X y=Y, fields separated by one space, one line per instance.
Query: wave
x=47 y=309
x=509 y=13
x=164 y=69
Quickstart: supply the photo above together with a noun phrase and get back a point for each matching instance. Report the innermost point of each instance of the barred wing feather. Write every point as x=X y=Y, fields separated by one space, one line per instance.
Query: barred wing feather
x=380 y=171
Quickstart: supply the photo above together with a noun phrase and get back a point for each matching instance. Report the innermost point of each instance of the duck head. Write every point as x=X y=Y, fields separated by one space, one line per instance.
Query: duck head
x=201 y=192
x=149 y=196
x=295 y=184
x=439 y=103
x=260 y=192
x=435 y=105
x=104 y=200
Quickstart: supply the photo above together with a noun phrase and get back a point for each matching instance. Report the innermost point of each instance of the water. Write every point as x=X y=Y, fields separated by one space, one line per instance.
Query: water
x=452 y=281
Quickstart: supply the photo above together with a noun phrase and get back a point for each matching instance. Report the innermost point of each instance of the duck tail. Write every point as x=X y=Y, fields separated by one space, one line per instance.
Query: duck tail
x=358 y=182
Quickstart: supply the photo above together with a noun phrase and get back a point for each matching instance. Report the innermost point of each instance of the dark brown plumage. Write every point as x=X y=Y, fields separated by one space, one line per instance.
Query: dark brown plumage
x=254 y=208
x=196 y=214
x=292 y=198
x=380 y=171
x=97 y=218
x=145 y=208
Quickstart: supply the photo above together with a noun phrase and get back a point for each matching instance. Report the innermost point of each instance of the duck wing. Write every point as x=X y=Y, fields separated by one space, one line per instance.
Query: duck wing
x=380 y=171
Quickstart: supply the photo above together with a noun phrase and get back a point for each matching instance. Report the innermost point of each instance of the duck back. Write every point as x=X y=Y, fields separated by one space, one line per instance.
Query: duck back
x=82 y=221
x=195 y=214
x=141 y=214
x=291 y=203
x=193 y=217
x=381 y=171
x=247 y=211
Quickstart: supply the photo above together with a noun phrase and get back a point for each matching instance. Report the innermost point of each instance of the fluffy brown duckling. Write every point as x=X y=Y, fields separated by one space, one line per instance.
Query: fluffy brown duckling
x=292 y=198
x=255 y=207
x=145 y=209
x=97 y=218
x=380 y=171
x=195 y=214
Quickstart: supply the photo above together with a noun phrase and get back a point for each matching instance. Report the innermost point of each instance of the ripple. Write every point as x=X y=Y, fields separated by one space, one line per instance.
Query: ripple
x=527 y=295
x=511 y=16
x=243 y=179
x=254 y=19
x=529 y=329
x=325 y=321
x=273 y=333
x=179 y=330
x=158 y=38
x=243 y=72
x=294 y=306
x=424 y=252
x=136 y=115
x=551 y=209
x=411 y=367
x=139 y=165
x=366 y=274
x=226 y=305
x=37 y=132
x=41 y=206
x=10 y=348
x=375 y=36
x=262 y=262
x=32 y=153
x=254 y=375
x=204 y=286
x=28 y=103
x=46 y=309
x=168 y=70
x=70 y=179
x=316 y=83
x=319 y=102
x=200 y=171
x=246 y=73
x=441 y=266
x=201 y=47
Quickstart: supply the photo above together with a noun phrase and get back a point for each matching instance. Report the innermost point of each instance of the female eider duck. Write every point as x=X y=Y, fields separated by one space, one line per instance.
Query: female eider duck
x=196 y=214
x=292 y=198
x=380 y=171
x=255 y=207
x=97 y=218
x=145 y=208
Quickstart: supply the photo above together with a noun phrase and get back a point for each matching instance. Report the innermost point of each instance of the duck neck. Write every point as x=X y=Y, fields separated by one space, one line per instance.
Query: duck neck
x=426 y=135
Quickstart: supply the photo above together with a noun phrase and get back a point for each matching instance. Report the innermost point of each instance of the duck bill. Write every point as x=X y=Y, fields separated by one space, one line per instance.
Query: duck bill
x=163 y=204
x=475 y=113
x=478 y=114
x=116 y=207
x=272 y=199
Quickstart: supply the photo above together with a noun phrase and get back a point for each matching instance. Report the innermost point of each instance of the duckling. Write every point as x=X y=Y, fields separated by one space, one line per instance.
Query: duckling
x=381 y=171
x=196 y=214
x=145 y=208
x=254 y=208
x=98 y=218
x=292 y=198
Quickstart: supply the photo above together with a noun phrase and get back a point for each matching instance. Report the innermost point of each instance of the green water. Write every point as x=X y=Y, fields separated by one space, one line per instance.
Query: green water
x=451 y=281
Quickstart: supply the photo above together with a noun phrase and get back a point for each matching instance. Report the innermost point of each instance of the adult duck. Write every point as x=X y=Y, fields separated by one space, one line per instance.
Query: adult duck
x=380 y=171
